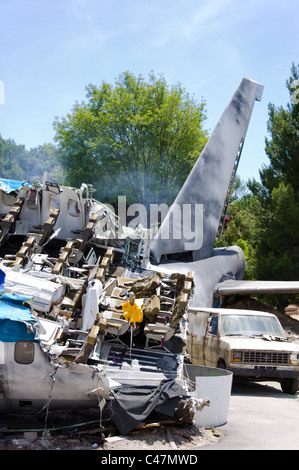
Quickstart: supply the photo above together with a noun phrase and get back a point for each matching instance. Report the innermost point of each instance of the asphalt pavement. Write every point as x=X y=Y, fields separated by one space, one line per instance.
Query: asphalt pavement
x=260 y=417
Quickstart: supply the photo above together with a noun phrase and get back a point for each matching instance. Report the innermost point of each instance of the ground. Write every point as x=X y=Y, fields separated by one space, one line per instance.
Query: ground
x=165 y=438
x=155 y=436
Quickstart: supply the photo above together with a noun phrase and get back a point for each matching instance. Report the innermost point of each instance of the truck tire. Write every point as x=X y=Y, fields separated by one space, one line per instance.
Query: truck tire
x=290 y=386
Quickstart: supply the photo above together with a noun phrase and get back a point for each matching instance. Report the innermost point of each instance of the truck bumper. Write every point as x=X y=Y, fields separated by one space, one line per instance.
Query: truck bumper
x=264 y=372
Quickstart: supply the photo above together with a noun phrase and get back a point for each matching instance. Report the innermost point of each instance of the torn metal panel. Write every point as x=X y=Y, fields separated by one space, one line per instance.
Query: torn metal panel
x=45 y=293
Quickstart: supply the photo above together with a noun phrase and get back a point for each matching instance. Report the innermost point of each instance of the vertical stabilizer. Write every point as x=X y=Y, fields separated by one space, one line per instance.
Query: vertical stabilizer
x=193 y=220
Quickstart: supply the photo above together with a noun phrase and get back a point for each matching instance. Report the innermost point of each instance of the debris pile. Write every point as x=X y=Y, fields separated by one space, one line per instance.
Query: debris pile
x=95 y=323
x=81 y=430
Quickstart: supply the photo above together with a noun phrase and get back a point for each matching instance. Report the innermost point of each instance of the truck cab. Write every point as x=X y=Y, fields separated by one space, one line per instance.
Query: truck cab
x=251 y=344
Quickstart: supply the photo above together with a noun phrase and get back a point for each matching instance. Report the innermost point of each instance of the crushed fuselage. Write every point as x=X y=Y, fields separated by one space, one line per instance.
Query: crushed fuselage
x=65 y=262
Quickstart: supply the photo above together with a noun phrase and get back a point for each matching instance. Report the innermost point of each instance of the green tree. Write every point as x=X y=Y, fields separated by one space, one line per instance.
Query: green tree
x=44 y=159
x=11 y=156
x=137 y=138
x=20 y=164
x=276 y=204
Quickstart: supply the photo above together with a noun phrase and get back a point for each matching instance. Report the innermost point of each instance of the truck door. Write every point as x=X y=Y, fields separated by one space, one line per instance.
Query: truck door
x=211 y=349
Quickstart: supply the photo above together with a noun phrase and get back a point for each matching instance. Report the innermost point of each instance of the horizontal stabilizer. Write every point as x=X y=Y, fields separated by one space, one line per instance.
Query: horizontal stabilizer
x=231 y=287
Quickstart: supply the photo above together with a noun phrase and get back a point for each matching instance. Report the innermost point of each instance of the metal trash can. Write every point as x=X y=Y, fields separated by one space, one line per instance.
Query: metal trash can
x=214 y=384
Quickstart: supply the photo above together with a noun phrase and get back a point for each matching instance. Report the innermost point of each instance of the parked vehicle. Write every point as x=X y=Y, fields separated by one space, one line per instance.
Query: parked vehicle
x=249 y=343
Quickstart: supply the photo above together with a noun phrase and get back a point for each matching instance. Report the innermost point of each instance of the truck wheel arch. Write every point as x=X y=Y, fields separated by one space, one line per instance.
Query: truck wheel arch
x=221 y=364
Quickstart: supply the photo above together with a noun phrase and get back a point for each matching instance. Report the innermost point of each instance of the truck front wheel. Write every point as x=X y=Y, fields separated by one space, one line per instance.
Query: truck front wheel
x=290 y=386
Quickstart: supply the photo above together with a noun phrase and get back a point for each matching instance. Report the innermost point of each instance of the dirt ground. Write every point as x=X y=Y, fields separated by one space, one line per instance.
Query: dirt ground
x=156 y=436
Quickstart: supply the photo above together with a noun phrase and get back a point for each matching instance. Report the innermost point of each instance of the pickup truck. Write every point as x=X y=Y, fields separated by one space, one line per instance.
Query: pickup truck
x=251 y=344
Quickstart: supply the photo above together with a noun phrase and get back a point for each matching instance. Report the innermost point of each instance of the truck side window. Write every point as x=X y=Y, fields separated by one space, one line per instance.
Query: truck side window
x=214 y=326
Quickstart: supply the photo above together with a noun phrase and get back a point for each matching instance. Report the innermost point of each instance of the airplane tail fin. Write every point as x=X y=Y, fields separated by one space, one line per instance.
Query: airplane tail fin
x=192 y=222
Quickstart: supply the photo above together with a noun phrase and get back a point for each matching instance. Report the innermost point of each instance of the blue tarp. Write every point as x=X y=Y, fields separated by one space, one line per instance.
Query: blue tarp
x=14 y=318
x=8 y=185
x=12 y=308
x=12 y=331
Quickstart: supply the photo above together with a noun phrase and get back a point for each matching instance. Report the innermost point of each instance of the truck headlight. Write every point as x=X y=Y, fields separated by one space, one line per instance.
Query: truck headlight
x=294 y=358
x=237 y=356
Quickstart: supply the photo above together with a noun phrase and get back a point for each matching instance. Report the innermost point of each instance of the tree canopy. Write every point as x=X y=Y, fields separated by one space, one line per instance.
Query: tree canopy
x=276 y=210
x=137 y=138
x=16 y=162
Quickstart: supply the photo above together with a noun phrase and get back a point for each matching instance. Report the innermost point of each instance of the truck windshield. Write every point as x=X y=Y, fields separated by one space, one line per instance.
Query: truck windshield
x=252 y=325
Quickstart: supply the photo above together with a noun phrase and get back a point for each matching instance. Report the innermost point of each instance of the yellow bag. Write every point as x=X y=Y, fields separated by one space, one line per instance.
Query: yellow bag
x=133 y=313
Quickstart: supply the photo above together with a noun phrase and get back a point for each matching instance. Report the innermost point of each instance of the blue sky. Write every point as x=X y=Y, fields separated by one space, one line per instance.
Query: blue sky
x=51 y=50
